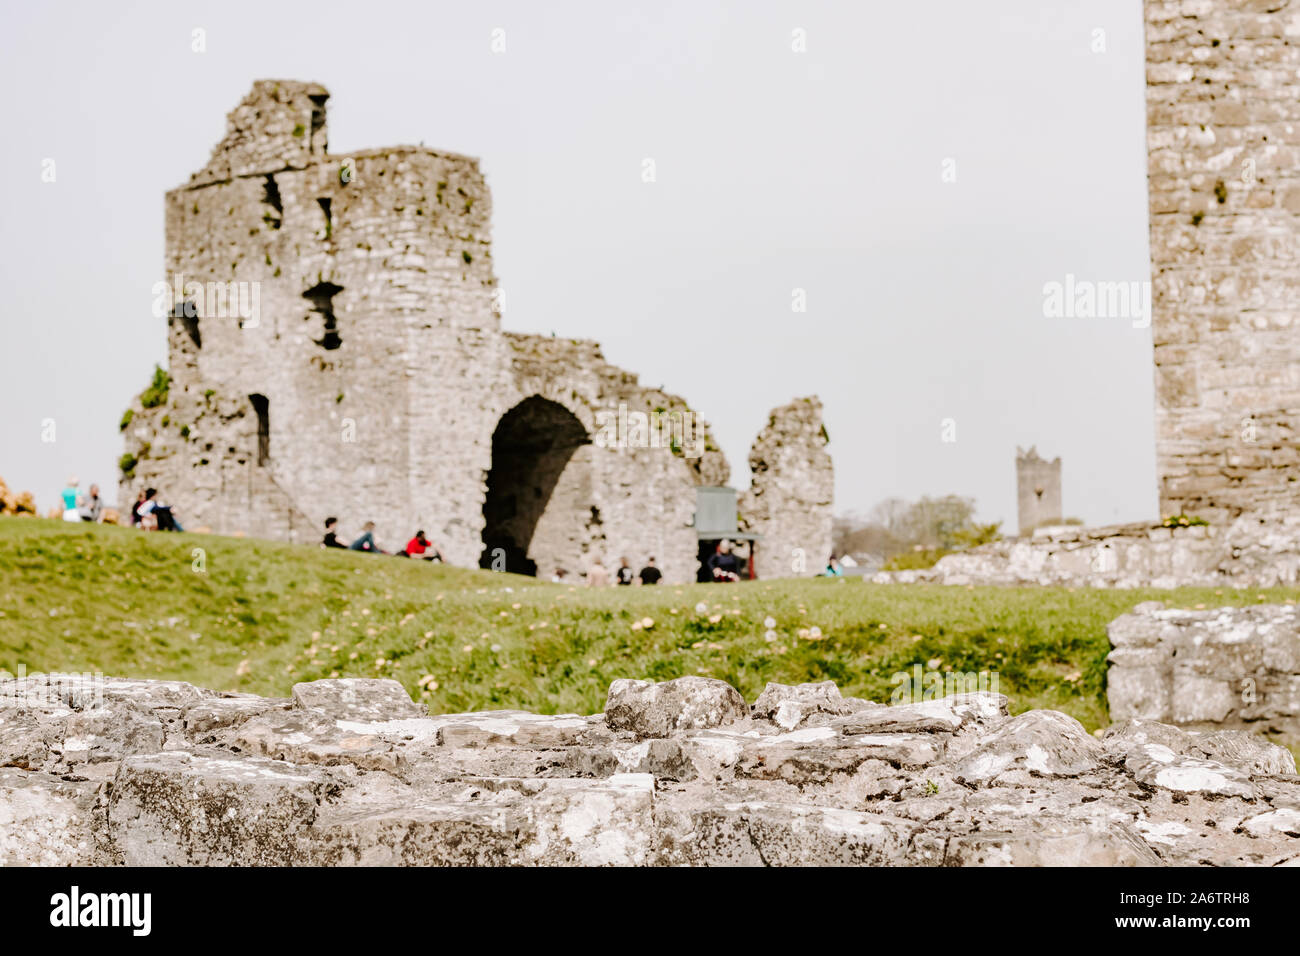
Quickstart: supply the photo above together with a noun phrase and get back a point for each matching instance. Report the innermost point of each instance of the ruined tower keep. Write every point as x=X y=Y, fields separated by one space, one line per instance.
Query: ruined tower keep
x=335 y=349
x=1038 y=489
x=1223 y=117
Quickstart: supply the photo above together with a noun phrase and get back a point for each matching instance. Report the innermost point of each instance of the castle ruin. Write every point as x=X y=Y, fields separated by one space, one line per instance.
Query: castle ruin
x=335 y=348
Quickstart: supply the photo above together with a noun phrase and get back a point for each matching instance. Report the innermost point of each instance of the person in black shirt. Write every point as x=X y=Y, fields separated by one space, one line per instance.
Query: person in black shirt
x=331 y=534
x=650 y=574
x=723 y=563
x=625 y=575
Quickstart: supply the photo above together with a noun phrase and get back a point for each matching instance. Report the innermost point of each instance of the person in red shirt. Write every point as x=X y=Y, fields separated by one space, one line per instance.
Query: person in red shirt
x=422 y=547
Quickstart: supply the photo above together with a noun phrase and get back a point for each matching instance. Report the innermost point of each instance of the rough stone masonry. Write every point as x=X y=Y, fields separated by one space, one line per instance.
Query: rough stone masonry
x=1223 y=138
x=352 y=771
x=1208 y=668
x=335 y=348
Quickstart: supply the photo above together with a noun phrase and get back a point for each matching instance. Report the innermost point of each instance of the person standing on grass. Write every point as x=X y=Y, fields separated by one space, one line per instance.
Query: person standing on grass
x=597 y=576
x=650 y=574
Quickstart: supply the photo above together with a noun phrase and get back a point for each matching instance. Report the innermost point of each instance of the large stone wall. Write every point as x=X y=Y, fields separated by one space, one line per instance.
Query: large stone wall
x=375 y=379
x=1223 y=115
x=352 y=772
x=1222 y=667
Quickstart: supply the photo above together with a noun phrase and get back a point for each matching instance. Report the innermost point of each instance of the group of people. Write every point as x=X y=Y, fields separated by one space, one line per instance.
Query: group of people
x=598 y=574
x=147 y=513
x=79 y=507
x=418 y=547
x=150 y=514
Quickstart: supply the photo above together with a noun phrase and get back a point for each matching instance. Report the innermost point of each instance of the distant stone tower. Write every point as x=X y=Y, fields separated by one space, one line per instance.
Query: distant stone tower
x=1038 y=489
x=1223 y=174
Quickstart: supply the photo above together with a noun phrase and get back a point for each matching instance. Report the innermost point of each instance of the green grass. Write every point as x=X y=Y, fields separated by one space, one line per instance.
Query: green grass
x=263 y=615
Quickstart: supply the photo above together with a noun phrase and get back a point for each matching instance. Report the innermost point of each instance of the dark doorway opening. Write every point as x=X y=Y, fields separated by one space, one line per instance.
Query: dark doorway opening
x=531 y=449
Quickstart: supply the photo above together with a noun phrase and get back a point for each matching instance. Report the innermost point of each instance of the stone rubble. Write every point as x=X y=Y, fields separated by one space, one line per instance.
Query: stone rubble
x=1252 y=551
x=351 y=772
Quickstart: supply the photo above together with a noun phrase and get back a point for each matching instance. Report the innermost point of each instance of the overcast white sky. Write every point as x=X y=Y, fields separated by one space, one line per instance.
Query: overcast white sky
x=776 y=170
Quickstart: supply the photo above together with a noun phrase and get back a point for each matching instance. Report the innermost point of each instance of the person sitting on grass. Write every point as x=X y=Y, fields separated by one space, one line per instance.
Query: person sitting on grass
x=331 y=539
x=135 y=508
x=723 y=563
x=422 y=547
x=155 y=514
x=92 y=506
x=70 y=494
x=367 y=540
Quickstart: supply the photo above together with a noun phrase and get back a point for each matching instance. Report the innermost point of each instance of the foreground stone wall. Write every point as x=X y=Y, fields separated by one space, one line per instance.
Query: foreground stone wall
x=351 y=771
x=1223 y=667
x=1223 y=115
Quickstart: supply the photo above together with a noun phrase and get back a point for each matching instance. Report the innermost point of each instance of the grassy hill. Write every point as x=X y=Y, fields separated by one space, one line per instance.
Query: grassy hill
x=257 y=616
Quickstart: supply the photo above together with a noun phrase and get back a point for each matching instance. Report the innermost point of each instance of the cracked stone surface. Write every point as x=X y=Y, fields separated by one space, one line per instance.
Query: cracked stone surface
x=682 y=772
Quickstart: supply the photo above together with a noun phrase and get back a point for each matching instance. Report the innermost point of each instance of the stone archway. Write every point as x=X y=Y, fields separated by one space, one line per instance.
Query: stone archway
x=539 y=513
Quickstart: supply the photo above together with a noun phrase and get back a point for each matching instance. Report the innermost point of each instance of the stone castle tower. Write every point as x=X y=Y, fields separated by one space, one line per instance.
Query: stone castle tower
x=335 y=349
x=1038 y=489
x=1223 y=110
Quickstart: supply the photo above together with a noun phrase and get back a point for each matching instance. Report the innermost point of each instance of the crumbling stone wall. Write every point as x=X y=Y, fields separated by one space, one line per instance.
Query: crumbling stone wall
x=1223 y=110
x=353 y=772
x=789 y=500
x=375 y=375
x=1221 y=667
x=1247 y=553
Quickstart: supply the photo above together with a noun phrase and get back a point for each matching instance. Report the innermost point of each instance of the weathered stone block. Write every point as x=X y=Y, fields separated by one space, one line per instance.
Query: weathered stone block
x=46 y=821
x=360 y=699
x=174 y=809
x=651 y=709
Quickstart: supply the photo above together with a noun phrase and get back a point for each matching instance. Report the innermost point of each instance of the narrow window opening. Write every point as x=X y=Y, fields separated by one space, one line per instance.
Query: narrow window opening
x=321 y=297
x=325 y=204
x=318 y=122
x=187 y=313
x=262 y=406
x=271 y=196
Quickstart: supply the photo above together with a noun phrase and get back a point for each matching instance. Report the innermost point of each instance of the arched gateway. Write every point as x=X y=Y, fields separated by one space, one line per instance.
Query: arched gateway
x=539 y=514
